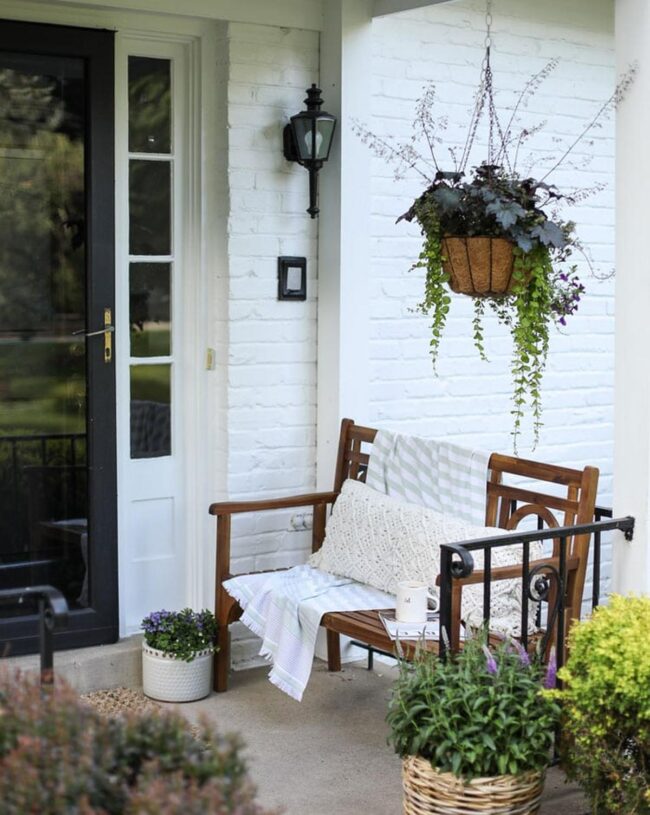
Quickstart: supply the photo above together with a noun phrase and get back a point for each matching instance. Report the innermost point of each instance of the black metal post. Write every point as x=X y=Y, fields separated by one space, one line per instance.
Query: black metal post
x=445 y=599
x=560 y=607
x=52 y=614
x=599 y=513
x=524 y=595
x=45 y=628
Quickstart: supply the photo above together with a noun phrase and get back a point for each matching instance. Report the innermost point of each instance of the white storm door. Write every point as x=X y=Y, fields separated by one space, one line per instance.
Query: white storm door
x=153 y=80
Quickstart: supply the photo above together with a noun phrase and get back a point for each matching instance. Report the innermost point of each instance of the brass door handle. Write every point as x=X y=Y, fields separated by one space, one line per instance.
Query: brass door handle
x=110 y=328
x=107 y=331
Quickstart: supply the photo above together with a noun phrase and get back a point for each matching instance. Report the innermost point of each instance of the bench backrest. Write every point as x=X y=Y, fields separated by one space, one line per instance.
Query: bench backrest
x=572 y=502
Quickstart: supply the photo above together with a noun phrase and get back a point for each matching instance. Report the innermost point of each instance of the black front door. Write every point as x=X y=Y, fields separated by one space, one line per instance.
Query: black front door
x=57 y=376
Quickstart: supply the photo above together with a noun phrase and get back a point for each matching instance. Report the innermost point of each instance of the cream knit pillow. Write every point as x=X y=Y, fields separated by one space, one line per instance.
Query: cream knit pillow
x=380 y=541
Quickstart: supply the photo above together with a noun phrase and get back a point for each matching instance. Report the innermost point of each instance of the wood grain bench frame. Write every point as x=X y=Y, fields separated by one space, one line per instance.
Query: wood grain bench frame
x=506 y=507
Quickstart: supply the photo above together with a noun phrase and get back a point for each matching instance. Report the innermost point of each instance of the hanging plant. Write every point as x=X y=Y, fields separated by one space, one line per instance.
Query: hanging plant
x=494 y=233
x=490 y=238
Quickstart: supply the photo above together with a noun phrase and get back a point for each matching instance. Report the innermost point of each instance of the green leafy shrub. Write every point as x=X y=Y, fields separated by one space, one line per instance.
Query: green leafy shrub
x=606 y=707
x=476 y=714
x=59 y=757
x=180 y=633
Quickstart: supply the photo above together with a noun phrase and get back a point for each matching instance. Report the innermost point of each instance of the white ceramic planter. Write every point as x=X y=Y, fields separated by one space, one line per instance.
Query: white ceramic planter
x=169 y=679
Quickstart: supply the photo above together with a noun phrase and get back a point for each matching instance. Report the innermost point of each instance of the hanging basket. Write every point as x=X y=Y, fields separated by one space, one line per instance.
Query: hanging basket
x=480 y=267
x=429 y=792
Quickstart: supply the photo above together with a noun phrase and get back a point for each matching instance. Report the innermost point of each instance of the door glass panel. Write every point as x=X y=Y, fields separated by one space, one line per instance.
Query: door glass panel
x=43 y=479
x=150 y=282
x=150 y=411
x=149 y=105
x=150 y=309
x=149 y=207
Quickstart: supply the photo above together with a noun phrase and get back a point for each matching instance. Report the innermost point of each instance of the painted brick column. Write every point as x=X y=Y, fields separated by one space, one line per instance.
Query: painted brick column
x=632 y=392
x=344 y=230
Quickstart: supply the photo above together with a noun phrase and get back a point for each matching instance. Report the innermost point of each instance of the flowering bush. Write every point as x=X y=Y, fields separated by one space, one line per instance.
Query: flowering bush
x=59 y=757
x=477 y=713
x=180 y=633
x=606 y=707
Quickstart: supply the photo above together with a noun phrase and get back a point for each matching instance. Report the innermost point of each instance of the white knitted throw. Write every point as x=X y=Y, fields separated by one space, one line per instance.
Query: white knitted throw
x=380 y=541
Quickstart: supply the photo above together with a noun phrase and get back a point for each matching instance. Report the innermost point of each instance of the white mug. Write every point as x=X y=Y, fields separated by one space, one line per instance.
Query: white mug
x=412 y=605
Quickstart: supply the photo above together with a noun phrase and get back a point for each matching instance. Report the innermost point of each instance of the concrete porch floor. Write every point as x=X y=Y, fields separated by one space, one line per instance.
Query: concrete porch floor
x=327 y=755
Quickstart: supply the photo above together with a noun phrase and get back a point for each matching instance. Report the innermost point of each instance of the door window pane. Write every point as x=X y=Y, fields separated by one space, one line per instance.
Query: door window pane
x=149 y=207
x=43 y=479
x=150 y=411
x=149 y=105
x=150 y=309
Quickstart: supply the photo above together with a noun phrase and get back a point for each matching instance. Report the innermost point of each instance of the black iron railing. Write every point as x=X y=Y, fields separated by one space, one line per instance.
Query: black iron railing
x=541 y=586
x=545 y=582
x=52 y=615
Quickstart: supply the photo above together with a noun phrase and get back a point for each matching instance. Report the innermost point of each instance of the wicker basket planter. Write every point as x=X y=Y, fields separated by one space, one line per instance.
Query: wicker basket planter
x=480 y=267
x=429 y=792
x=169 y=679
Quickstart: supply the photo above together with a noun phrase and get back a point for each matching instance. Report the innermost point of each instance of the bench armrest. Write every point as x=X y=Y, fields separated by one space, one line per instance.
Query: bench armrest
x=310 y=499
x=226 y=509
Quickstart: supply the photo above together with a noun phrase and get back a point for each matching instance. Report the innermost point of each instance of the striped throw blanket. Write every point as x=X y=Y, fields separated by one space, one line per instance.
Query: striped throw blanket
x=430 y=472
x=285 y=610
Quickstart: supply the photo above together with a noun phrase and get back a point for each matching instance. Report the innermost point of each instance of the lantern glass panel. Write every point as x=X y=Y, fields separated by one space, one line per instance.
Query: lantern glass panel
x=324 y=134
x=303 y=129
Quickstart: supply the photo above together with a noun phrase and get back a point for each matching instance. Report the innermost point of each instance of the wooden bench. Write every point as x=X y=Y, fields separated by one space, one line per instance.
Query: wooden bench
x=506 y=507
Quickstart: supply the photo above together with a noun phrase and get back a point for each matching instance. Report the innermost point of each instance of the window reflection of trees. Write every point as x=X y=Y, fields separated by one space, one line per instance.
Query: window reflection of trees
x=42 y=301
x=42 y=258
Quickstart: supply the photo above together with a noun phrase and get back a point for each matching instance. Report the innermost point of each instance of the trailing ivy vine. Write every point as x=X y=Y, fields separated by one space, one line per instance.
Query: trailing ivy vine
x=542 y=294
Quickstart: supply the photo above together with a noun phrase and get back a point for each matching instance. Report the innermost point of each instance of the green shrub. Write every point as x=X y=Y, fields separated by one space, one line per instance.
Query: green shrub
x=606 y=707
x=477 y=714
x=59 y=757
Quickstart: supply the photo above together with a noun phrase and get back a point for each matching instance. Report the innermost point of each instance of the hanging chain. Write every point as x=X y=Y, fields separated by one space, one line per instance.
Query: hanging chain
x=484 y=91
x=485 y=94
x=486 y=78
x=488 y=34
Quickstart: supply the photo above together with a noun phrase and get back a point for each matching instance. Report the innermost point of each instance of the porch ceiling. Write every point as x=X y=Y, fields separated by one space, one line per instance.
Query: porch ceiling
x=307 y=14
x=383 y=7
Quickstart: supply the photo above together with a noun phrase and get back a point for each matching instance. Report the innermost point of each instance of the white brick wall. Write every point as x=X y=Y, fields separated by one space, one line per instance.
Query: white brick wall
x=470 y=400
x=271 y=352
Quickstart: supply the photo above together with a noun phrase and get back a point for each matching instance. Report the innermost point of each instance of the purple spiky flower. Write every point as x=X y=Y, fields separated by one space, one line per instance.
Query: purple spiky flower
x=490 y=661
x=550 y=680
x=524 y=658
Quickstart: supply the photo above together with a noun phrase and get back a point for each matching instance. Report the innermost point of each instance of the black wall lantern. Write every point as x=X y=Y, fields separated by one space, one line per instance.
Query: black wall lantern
x=308 y=139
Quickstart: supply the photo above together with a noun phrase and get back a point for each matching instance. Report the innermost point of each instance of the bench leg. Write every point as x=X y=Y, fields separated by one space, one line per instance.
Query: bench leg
x=333 y=651
x=222 y=660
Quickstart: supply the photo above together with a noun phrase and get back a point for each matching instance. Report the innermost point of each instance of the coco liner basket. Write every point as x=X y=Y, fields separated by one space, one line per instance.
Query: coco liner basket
x=480 y=267
x=429 y=792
